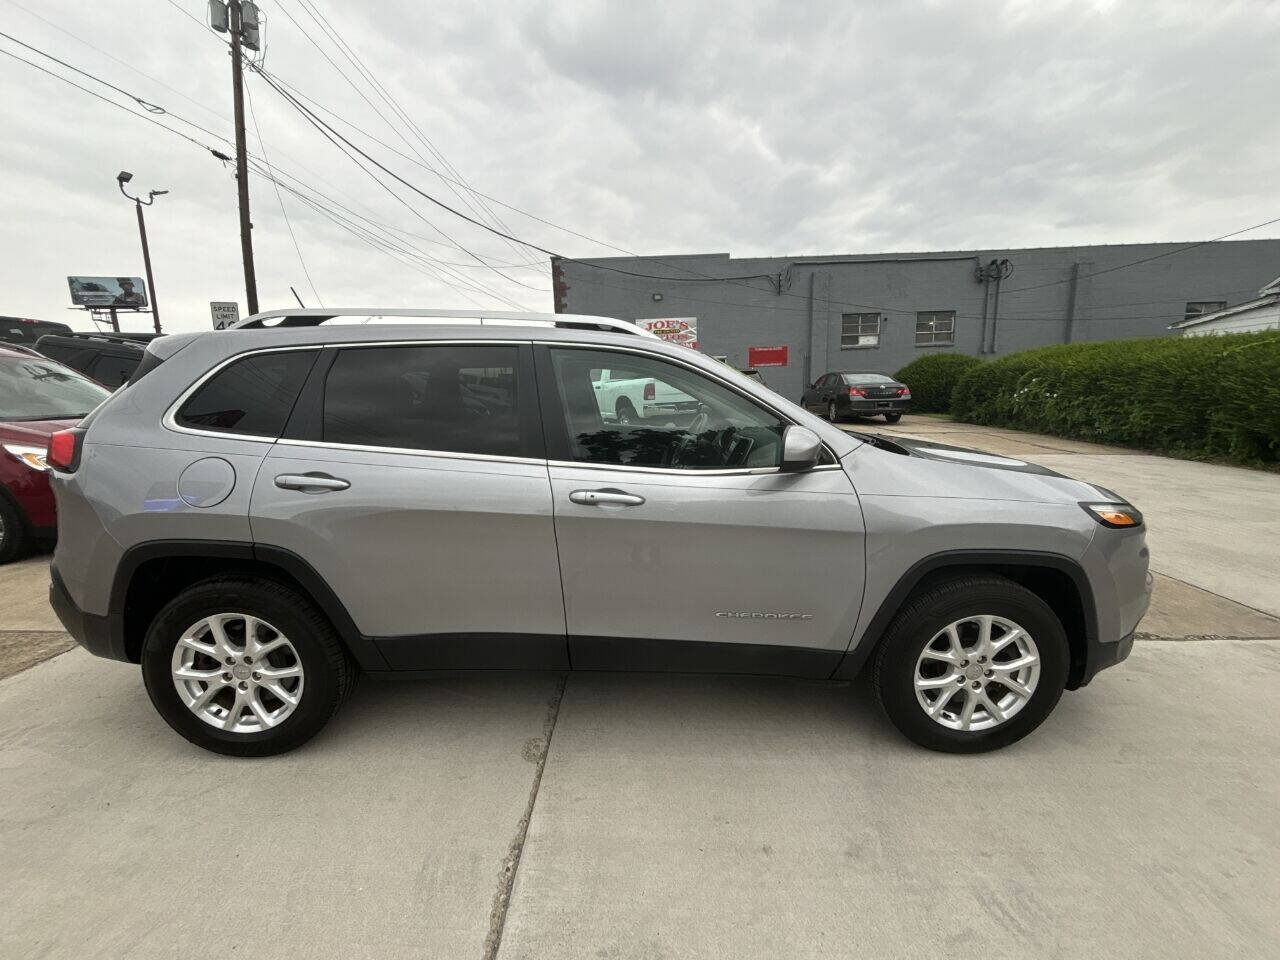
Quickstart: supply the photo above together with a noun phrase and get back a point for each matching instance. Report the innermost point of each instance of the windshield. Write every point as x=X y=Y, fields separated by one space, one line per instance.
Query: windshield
x=35 y=389
x=867 y=378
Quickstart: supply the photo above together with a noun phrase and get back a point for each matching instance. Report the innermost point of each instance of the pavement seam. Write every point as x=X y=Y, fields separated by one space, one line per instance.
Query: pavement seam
x=511 y=862
x=1195 y=586
x=1197 y=638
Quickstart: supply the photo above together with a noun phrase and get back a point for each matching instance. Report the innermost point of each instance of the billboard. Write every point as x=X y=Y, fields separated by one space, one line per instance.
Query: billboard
x=125 y=293
x=682 y=330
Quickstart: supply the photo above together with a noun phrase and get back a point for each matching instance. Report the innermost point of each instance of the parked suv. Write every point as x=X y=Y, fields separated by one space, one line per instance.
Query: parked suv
x=108 y=358
x=264 y=511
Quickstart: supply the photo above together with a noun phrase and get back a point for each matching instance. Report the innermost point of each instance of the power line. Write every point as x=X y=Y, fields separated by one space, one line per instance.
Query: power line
x=123 y=63
x=1158 y=256
x=354 y=59
x=117 y=105
x=149 y=108
x=329 y=134
x=328 y=129
x=204 y=146
x=279 y=199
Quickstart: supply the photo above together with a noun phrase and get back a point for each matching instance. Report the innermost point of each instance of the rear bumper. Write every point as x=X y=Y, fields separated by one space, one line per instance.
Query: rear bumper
x=871 y=407
x=101 y=636
x=1103 y=655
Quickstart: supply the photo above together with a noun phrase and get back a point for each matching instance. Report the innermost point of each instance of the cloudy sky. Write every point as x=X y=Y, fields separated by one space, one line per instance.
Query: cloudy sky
x=755 y=128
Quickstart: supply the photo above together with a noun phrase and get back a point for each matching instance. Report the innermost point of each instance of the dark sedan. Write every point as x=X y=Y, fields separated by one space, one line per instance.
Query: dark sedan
x=841 y=395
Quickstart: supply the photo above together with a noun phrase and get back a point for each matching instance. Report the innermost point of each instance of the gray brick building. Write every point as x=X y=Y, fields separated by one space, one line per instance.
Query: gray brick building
x=881 y=311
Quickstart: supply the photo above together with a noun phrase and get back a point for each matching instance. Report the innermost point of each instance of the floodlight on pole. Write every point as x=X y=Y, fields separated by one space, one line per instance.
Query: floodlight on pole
x=123 y=177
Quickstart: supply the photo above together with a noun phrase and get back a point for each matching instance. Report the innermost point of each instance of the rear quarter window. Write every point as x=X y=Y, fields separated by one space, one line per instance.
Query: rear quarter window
x=252 y=396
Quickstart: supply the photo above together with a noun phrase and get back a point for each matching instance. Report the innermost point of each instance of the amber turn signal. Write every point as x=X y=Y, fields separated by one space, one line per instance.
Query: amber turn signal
x=1114 y=514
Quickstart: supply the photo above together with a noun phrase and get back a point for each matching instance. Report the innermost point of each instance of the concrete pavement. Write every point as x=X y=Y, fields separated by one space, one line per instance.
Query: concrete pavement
x=684 y=817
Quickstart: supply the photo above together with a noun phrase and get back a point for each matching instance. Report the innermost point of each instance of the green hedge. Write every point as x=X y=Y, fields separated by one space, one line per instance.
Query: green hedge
x=1214 y=396
x=933 y=377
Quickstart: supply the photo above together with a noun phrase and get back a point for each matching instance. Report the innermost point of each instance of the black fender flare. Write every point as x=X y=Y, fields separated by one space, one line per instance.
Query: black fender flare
x=362 y=648
x=860 y=649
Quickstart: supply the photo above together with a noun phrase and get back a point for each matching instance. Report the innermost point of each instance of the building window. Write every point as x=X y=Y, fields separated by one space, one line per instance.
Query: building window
x=859 y=331
x=935 y=328
x=1198 y=308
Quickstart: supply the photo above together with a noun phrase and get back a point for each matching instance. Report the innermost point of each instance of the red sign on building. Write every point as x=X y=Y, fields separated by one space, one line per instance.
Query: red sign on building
x=766 y=356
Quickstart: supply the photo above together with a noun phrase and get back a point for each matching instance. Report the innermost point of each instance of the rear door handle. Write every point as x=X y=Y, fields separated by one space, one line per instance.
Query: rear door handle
x=310 y=482
x=590 y=498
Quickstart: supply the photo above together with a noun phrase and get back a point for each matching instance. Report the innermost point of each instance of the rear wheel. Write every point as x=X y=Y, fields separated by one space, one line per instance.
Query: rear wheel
x=245 y=668
x=832 y=413
x=971 y=664
x=14 y=539
x=626 y=411
x=892 y=417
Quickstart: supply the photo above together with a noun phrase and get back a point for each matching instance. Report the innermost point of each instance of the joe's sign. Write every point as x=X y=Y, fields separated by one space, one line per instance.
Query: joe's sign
x=682 y=330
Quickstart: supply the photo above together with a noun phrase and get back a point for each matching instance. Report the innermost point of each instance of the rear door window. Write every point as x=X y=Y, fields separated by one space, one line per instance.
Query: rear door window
x=251 y=396
x=450 y=398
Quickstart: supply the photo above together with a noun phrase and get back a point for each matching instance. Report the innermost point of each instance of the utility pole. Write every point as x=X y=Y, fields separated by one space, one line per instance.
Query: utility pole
x=236 y=27
x=123 y=177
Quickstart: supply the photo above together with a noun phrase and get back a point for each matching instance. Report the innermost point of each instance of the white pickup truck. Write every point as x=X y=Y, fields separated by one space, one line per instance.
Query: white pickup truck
x=632 y=399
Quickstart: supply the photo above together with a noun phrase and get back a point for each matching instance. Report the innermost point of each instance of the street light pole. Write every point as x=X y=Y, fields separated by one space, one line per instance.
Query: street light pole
x=122 y=178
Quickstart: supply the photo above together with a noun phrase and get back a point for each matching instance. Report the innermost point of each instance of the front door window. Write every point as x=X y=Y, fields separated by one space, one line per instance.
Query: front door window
x=630 y=410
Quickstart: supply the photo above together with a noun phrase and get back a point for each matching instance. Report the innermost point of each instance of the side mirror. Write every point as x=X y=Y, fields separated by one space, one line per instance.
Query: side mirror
x=801 y=449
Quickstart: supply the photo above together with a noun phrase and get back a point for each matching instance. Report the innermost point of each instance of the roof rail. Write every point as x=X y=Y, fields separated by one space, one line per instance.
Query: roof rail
x=315 y=316
x=137 y=339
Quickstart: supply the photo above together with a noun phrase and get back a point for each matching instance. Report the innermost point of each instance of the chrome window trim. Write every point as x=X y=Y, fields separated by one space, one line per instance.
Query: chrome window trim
x=724 y=382
x=170 y=422
x=170 y=419
x=412 y=451
x=679 y=472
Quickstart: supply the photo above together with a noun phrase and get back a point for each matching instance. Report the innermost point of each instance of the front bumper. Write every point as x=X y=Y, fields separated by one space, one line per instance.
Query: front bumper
x=101 y=636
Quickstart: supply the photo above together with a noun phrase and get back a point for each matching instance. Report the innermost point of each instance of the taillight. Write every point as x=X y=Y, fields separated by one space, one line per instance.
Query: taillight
x=650 y=391
x=63 y=452
x=857 y=392
x=904 y=391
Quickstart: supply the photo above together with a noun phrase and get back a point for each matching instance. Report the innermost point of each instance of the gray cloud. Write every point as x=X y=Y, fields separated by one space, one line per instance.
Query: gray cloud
x=756 y=128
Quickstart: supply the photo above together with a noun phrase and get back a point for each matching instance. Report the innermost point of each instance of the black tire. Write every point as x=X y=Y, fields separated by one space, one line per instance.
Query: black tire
x=930 y=611
x=15 y=540
x=626 y=411
x=892 y=417
x=328 y=668
x=832 y=413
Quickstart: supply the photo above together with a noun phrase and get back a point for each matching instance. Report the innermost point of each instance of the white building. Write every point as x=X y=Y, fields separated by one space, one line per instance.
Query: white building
x=1261 y=313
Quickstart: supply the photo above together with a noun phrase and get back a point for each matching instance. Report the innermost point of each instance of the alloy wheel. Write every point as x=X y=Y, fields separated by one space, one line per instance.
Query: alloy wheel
x=977 y=673
x=237 y=673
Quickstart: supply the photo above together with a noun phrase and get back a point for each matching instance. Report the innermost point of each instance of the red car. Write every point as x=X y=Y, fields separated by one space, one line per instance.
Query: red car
x=38 y=396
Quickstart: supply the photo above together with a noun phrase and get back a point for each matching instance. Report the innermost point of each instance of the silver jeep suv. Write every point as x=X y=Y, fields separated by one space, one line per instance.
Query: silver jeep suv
x=264 y=512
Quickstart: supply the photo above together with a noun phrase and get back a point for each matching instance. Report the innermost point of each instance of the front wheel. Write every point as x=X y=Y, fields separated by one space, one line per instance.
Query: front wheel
x=245 y=667
x=971 y=664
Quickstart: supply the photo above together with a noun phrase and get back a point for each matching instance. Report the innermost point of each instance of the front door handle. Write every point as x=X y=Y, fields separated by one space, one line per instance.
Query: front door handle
x=311 y=482
x=589 y=498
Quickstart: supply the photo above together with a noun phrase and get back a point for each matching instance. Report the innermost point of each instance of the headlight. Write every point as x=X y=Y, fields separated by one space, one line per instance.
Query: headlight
x=1114 y=514
x=33 y=457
